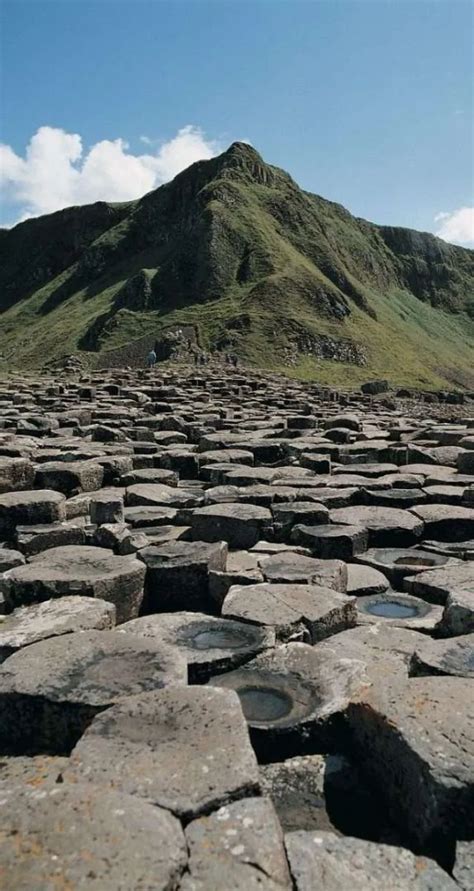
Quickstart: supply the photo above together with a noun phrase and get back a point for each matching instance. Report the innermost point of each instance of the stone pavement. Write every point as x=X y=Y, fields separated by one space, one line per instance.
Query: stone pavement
x=236 y=635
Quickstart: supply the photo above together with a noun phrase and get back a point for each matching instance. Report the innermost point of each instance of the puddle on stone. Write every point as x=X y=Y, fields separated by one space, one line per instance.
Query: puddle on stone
x=391 y=609
x=219 y=638
x=420 y=562
x=264 y=704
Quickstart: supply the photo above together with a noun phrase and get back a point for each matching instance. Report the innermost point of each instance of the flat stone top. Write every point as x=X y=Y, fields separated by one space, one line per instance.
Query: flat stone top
x=446 y=578
x=270 y=604
x=433 y=513
x=54 y=617
x=377 y=518
x=30 y=496
x=234 y=511
x=186 y=749
x=76 y=562
x=93 y=667
x=200 y=636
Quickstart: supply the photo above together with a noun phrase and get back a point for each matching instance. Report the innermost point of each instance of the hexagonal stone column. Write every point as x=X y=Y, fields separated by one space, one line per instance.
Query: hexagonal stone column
x=185 y=749
x=289 y=567
x=209 y=644
x=400 y=610
x=89 y=571
x=30 y=508
x=414 y=739
x=15 y=474
x=240 y=525
x=70 y=477
x=329 y=541
x=292 y=697
x=388 y=526
x=310 y=611
x=177 y=574
x=51 y=690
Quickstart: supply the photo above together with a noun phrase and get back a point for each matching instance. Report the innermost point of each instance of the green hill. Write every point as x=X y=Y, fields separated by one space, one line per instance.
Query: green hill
x=234 y=247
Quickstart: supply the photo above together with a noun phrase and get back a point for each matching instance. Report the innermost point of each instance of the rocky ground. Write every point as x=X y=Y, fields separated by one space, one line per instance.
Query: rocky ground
x=236 y=635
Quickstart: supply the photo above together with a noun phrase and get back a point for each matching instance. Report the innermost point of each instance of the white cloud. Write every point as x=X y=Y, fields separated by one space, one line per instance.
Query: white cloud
x=57 y=172
x=457 y=226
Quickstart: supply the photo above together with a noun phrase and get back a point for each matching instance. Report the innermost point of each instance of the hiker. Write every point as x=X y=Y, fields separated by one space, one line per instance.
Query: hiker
x=151 y=359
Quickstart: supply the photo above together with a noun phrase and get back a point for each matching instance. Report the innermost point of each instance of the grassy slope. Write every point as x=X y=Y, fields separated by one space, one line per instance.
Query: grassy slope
x=291 y=236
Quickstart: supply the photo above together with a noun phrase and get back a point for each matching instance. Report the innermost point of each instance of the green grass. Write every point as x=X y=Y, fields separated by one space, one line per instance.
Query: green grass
x=235 y=248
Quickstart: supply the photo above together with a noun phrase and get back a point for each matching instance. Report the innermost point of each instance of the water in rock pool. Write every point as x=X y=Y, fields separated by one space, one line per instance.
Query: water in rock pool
x=391 y=609
x=214 y=638
x=262 y=704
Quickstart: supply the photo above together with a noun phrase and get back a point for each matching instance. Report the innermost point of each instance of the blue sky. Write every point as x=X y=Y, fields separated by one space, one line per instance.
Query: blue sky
x=366 y=102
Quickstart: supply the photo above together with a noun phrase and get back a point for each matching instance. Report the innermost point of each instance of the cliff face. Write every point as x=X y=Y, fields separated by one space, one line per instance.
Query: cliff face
x=234 y=244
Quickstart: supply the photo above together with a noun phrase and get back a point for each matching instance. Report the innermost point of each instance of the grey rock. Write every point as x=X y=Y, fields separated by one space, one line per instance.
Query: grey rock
x=324 y=860
x=448 y=657
x=185 y=749
x=70 y=477
x=292 y=696
x=399 y=610
x=30 y=773
x=10 y=558
x=413 y=737
x=80 y=836
x=27 y=625
x=51 y=690
x=458 y=614
x=209 y=644
x=436 y=584
x=446 y=521
x=364 y=580
x=387 y=526
x=241 y=525
x=30 y=507
x=89 y=571
x=309 y=612
x=329 y=541
x=240 y=846
x=463 y=870
x=293 y=568
x=177 y=574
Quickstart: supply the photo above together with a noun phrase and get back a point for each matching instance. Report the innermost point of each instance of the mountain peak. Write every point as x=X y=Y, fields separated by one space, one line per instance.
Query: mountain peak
x=242 y=159
x=243 y=150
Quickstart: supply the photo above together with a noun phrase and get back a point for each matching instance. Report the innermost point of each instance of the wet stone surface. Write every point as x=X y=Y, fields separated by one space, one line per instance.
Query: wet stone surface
x=232 y=606
x=400 y=610
x=209 y=644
